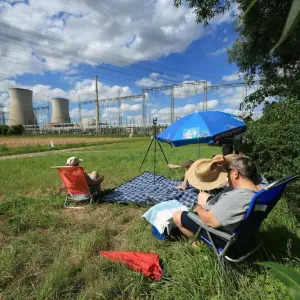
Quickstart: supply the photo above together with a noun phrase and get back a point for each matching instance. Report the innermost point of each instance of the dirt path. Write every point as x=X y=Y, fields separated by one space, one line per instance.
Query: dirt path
x=39 y=140
x=43 y=153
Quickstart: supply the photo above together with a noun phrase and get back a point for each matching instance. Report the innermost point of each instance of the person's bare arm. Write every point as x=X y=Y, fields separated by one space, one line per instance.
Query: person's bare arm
x=207 y=217
x=220 y=159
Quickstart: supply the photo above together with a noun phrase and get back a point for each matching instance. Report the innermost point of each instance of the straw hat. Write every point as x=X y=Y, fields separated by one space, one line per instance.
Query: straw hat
x=204 y=174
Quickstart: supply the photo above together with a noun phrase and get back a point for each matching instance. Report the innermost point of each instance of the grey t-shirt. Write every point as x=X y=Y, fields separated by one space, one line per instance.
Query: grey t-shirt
x=229 y=207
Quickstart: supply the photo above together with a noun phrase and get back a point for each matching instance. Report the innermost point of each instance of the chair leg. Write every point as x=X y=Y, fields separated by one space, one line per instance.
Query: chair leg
x=196 y=235
x=65 y=203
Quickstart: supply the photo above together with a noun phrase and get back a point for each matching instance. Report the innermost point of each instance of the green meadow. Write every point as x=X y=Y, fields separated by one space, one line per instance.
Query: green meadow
x=48 y=252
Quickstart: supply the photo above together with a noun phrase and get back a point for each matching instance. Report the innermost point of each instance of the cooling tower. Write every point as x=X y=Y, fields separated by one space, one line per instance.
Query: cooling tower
x=60 y=111
x=21 y=110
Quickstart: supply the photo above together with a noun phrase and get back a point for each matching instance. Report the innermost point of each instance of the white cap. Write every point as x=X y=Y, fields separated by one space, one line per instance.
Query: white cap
x=73 y=161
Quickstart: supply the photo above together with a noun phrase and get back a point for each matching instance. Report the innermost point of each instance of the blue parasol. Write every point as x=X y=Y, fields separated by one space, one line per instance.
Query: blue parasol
x=202 y=127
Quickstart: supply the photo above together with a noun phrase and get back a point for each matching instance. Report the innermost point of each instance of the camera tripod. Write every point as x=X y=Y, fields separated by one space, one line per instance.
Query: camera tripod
x=155 y=149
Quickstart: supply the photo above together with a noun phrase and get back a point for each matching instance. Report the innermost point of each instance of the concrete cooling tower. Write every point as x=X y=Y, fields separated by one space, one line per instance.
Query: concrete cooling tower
x=21 y=110
x=60 y=111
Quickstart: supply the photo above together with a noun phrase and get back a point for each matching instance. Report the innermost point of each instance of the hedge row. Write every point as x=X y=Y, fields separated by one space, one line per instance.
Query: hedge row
x=10 y=130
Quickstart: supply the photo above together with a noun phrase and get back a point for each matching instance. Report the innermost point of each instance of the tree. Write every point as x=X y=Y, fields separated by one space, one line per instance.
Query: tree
x=259 y=31
x=273 y=142
x=205 y=10
x=16 y=129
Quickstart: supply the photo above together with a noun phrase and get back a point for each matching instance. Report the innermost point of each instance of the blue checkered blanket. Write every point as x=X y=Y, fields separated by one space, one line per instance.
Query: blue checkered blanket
x=142 y=190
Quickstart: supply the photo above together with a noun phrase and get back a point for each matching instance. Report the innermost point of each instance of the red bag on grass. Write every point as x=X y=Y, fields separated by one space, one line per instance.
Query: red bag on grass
x=146 y=263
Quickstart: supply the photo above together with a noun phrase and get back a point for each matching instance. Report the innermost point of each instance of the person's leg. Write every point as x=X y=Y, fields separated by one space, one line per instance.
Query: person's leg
x=183 y=185
x=177 y=220
x=95 y=175
x=171 y=166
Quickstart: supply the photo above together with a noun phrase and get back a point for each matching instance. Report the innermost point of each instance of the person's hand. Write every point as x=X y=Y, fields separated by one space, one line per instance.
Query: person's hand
x=195 y=209
x=219 y=159
x=181 y=186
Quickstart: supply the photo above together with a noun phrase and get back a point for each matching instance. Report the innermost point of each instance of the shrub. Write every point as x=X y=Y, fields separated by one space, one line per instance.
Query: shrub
x=273 y=142
x=3 y=129
x=16 y=129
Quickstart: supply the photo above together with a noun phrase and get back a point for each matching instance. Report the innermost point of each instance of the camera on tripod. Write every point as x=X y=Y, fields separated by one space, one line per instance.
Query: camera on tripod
x=154 y=121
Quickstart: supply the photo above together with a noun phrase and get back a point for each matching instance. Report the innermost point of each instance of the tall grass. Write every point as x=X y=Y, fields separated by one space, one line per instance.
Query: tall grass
x=51 y=253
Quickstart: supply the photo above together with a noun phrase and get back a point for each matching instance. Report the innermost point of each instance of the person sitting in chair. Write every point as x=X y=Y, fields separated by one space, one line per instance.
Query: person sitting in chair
x=225 y=210
x=93 y=179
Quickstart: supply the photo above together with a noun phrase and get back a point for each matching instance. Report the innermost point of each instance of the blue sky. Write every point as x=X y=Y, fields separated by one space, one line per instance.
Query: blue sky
x=56 y=48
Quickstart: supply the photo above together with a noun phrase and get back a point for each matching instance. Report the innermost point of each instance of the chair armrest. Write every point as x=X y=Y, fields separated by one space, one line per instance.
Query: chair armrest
x=214 y=231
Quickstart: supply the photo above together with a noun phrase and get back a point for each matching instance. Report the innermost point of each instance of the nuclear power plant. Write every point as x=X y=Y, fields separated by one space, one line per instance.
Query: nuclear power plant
x=60 y=111
x=21 y=109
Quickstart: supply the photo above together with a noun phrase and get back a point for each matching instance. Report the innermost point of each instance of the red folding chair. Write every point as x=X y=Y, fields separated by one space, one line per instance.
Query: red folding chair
x=76 y=185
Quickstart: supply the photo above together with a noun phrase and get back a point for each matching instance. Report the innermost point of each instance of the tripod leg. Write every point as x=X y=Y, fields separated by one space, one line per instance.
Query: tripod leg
x=146 y=154
x=163 y=152
x=154 y=160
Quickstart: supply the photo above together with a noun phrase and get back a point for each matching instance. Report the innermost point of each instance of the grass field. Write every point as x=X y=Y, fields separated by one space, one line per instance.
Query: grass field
x=51 y=253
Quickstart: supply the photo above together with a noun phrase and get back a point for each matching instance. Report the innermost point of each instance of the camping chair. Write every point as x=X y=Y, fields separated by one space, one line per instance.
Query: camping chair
x=76 y=185
x=244 y=237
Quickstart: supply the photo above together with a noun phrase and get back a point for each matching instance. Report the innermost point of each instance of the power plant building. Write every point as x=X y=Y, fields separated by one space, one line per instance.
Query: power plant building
x=88 y=122
x=21 y=109
x=60 y=111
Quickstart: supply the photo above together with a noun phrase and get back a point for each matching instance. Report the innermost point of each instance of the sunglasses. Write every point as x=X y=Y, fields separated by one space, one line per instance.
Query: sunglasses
x=230 y=169
x=227 y=168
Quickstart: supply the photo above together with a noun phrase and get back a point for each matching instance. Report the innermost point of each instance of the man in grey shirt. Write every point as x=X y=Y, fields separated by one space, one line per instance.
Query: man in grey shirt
x=227 y=209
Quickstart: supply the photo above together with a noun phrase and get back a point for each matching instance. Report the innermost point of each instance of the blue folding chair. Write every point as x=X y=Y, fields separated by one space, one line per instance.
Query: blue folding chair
x=238 y=246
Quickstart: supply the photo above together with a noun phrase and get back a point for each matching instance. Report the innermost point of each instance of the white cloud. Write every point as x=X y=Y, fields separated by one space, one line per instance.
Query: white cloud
x=85 y=113
x=233 y=77
x=225 y=40
x=255 y=114
x=63 y=33
x=238 y=95
x=127 y=107
x=163 y=114
x=42 y=94
x=150 y=82
x=232 y=111
x=181 y=92
x=188 y=90
x=218 y=52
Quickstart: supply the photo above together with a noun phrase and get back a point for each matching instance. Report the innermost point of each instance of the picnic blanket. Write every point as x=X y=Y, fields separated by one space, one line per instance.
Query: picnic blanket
x=142 y=190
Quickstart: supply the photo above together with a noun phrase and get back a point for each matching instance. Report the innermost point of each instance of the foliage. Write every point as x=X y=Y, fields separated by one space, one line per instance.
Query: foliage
x=258 y=32
x=16 y=129
x=205 y=10
x=291 y=22
x=273 y=142
x=290 y=277
x=3 y=129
